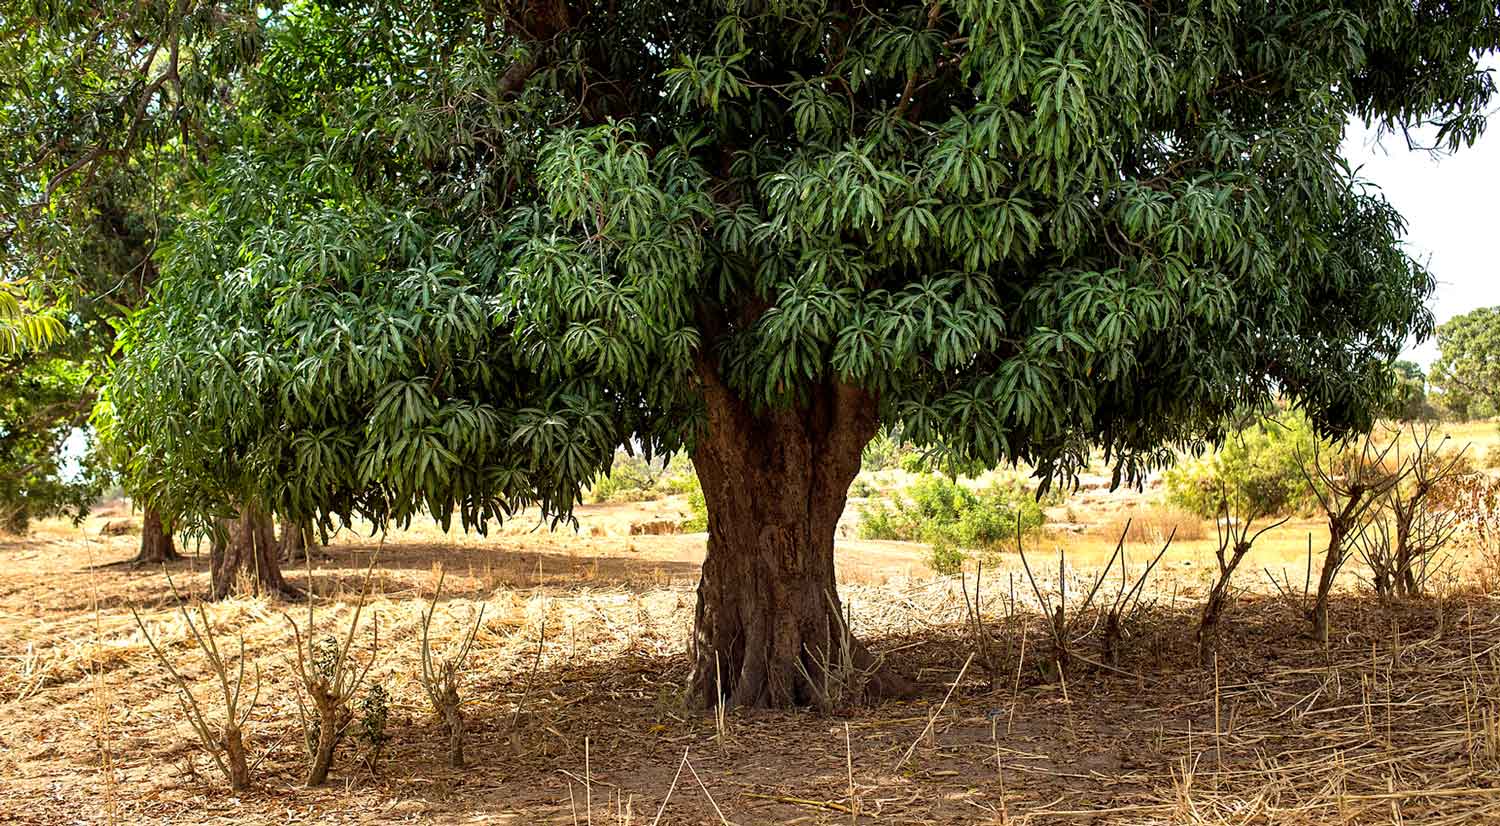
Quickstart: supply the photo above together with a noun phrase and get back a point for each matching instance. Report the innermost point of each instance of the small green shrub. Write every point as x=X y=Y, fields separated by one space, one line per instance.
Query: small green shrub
x=698 y=522
x=634 y=479
x=915 y=462
x=679 y=477
x=374 y=712
x=630 y=479
x=938 y=510
x=1260 y=466
x=884 y=452
x=945 y=559
x=862 y=488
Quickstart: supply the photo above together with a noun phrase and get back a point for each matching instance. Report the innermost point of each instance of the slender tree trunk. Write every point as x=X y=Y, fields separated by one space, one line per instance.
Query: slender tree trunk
x=234 y=759
x=769 y=629
x=1405 y=582
x=246 y=548
x=1208 y=625
x=157 y=546
x=453 y=718
x=331 y=723
x=1333 y=559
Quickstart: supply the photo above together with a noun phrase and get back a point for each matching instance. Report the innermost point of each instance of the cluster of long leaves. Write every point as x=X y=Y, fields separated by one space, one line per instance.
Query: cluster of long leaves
x=22 y=329
x=1027 y=228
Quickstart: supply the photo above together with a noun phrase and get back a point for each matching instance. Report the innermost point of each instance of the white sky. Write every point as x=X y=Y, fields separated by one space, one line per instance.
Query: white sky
x=1448 y=202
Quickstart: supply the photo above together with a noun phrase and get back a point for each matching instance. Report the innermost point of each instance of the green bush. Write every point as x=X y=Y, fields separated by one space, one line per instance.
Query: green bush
x=698 y=522
x=884 y=452
x=679 y=477
x=1259 y=466
x=940 y=511
x=633 y=479
x=945 y=559
x=630 y=479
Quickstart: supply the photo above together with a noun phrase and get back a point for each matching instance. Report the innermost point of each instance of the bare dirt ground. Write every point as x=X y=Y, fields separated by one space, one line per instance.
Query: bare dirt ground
x=1397 y=722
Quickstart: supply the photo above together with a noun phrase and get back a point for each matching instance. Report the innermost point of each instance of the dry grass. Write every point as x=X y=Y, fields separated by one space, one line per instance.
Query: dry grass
x=1152 y=524
x=1395 y=722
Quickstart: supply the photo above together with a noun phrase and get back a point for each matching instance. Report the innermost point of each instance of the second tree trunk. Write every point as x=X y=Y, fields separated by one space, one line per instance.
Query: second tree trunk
x=246 y=557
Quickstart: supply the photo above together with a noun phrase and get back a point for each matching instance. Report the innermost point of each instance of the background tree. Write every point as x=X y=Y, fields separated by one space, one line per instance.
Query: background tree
x=1467 y=370
x=43 y=401
x=458 y=255
x=107 y=109
x=1409 y=398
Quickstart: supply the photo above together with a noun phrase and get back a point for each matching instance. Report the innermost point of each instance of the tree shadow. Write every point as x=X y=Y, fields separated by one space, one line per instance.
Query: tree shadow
x=476 y=571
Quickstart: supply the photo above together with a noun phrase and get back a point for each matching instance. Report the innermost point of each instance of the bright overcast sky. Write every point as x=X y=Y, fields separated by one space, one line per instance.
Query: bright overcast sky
x=1452 y=224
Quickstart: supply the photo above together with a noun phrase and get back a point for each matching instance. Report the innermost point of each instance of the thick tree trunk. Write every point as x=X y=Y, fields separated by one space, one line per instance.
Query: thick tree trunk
x=245 y=550
x=332 y=721
x=769 y=629
x=157 y=546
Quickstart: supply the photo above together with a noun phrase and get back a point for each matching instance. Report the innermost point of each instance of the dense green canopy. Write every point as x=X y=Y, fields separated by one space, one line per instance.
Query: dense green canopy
x=457 y=254
x=105 y=109
x=1467 y=370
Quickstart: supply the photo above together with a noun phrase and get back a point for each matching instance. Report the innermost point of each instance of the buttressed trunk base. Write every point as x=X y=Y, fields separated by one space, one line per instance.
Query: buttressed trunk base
x=157 y=546
x=769 y=630
x=245 y=555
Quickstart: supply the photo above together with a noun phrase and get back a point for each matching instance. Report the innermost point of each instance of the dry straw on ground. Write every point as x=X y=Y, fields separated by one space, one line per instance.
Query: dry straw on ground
x=1395 y=722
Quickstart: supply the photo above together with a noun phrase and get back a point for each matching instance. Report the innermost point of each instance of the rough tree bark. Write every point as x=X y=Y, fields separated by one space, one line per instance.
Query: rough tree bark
x=1208 y=623
x=295 y=541
x=768 y=613
x=453 y=718
x=157 y=546
x=248 y=545
x=1333 y=559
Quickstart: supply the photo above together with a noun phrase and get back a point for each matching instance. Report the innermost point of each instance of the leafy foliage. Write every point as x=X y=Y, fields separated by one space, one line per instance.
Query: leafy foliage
x=42 y=403
x=22 y=330
x=1467 y=370
x=944 y=558
x=633 y=478
x=107 y=112
x=456 y=257
x=1409 y=396
x=1260 y=468
x=942 y=512
x=698 y=522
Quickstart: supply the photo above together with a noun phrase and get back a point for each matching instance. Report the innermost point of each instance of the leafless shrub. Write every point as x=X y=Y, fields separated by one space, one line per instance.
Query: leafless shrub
x=1406 y=536
x=1122 y=610
x=1069 y=628
x=981 y=641
x=330 y=679
x=441 y=677
x=1235 y=523
x=224 y=741
x=1347 y=484
x=1475 y=498
x=1404 y=557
